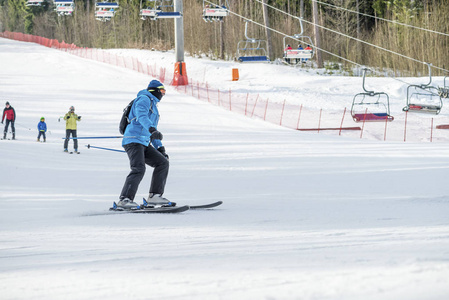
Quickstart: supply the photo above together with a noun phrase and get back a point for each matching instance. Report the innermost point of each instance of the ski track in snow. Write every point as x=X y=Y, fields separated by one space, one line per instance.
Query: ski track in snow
x=305 y=215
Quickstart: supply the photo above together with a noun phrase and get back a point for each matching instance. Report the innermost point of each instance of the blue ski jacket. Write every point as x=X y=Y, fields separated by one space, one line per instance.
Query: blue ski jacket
x=41 y=126
x=143 y=115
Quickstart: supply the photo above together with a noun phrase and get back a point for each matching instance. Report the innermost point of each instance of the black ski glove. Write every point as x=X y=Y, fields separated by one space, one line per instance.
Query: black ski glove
x=155 y=135
x=162 y=151
x=79 y=117
x=68 y=117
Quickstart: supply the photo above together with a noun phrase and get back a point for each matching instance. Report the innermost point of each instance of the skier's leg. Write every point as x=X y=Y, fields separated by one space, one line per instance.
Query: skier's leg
x=67 y=136
x=6 y=128
x=75 y=141
x=13 y=129
x=160 y=173
x=136 y=157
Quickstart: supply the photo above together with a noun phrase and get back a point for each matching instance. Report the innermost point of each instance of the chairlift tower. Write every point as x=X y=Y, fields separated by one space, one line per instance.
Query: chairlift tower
x=180 y=75
x=169 y=9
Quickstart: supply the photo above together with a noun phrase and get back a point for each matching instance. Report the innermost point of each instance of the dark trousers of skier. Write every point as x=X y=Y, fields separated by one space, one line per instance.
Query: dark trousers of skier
x=41 y=133
x=139 y=155
x=13 y=129
x=69 y=132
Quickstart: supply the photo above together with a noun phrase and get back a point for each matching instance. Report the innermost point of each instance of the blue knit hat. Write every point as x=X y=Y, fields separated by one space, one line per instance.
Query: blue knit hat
x=155 y=84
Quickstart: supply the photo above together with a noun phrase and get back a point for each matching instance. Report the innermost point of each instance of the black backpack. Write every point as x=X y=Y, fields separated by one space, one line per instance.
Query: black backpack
x=125 y=121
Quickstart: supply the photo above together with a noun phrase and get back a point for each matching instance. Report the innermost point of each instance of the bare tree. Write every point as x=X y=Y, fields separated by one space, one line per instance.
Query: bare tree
x=266 y=21
x=319 y=59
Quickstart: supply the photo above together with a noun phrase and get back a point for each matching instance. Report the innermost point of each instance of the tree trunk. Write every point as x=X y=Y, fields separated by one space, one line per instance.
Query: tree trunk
x=222 y=39
x=267 y=31
x=319 y=59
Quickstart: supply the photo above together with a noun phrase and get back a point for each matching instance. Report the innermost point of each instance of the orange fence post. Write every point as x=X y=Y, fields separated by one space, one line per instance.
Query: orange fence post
x=254 y=107
x=246 y=105
x=405 y=126
x=363 y=126
x=266 y=108
x=319 y=121
x=431 y=130
x=299 y=117
x=282 y=113
x=230 y=101
x=342 y=119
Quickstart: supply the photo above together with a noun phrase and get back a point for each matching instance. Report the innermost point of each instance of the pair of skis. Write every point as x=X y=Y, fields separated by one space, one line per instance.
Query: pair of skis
x=145 y=208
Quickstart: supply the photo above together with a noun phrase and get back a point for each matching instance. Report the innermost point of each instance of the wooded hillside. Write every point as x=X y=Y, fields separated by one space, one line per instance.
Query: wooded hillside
x=219 y=40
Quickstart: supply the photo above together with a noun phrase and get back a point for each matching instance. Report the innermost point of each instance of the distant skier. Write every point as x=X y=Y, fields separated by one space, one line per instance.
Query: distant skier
x=42 y=127
x=10 y=115
x=142 y=131
x=70 y=128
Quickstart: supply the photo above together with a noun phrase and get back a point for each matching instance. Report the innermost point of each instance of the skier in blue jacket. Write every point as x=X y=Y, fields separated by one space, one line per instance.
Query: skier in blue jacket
x=142 y=143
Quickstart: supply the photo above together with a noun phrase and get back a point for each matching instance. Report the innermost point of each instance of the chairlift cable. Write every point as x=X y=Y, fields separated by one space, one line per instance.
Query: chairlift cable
x=382 y=19
x=281 y=33
x=325 y=51
x=354 y=38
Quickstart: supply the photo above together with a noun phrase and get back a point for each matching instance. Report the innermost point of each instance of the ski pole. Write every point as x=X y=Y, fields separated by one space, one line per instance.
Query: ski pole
x=23 y=126
x=103 y=137
x=101 y=148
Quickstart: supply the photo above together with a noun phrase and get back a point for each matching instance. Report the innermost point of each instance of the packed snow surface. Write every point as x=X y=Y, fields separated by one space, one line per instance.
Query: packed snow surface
x=305 y=215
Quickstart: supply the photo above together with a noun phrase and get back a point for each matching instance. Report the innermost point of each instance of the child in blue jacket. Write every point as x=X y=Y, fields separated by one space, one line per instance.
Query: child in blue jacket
x=42 y=127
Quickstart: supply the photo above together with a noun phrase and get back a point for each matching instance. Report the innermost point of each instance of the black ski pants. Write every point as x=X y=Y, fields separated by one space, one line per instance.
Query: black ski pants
x=41 y=133
x=69 y=132
x=139 y=155
x=13 y=129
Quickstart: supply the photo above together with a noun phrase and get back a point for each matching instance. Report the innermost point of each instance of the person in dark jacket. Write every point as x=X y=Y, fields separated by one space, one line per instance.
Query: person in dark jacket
x=142 y=143
x=10 y=115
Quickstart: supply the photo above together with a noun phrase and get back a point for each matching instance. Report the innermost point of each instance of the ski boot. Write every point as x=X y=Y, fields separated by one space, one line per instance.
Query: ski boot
x=158 y=200
x=126 y=203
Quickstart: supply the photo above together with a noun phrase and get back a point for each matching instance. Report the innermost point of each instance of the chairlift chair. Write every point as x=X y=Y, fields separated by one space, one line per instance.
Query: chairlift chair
x=444 y=91
x=158 y=9
x=64 y=7
x=35 y=2
x=105 y=9
x=301 y=54
x=424 y=98
x=371 y=106
x=212 y=12
x=252 y=50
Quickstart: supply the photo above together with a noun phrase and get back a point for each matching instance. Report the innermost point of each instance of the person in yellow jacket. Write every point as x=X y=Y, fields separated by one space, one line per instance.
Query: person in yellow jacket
x=70 y=128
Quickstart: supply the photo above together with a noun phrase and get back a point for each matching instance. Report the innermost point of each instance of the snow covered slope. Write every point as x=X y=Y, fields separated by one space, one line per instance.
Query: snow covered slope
x=305 y=215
